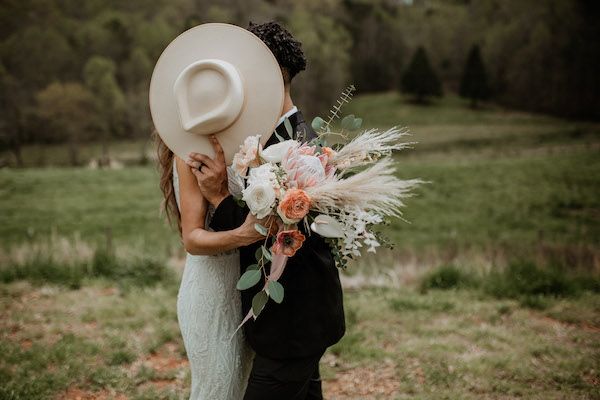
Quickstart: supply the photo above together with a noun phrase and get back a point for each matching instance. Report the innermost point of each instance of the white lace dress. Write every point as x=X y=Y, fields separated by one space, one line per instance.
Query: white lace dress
x=209 y=311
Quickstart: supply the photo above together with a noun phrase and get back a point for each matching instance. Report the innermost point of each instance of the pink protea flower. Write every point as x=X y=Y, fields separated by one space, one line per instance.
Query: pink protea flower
x=306 y=150
x=324 y=159
x=288 y=242
x=303 y=168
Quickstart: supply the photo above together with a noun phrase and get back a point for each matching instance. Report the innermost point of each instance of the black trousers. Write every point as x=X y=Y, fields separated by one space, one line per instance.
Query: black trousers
x=291 y=379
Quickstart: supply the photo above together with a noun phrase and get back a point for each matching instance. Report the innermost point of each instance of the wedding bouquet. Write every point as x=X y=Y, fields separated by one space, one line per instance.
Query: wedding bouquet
x=340 y=192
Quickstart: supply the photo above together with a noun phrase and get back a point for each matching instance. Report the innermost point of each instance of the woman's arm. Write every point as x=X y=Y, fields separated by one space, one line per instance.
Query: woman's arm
x=193 y=207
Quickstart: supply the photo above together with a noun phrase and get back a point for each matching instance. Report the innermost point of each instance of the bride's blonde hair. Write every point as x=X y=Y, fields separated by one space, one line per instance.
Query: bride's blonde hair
x=165 y=167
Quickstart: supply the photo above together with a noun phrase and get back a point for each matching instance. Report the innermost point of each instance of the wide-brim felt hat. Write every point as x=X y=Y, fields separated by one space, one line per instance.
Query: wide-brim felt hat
x=217 y=79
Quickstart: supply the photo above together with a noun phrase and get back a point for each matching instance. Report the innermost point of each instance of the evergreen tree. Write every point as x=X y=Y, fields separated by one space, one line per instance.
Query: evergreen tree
x=420 y=79
x=474 y=84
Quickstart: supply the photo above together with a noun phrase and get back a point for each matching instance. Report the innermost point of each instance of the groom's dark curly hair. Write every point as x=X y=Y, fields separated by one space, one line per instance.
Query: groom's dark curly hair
x=287 y=50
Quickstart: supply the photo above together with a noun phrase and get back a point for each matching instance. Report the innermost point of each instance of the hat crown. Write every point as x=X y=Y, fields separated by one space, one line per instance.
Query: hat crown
x=209 y=95
x=215 y=78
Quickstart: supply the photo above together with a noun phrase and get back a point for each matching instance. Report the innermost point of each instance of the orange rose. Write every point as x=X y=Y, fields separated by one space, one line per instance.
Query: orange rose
x=288 y=242
x=294 y=206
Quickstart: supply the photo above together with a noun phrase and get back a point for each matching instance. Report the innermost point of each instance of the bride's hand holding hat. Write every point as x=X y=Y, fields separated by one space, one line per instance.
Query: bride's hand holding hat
x=210 y=173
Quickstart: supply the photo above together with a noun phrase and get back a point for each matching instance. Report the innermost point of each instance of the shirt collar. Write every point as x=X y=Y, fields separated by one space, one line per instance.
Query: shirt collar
x=288 y=114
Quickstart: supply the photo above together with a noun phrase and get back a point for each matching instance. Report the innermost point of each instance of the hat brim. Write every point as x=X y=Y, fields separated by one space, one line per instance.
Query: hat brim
x=262 y=82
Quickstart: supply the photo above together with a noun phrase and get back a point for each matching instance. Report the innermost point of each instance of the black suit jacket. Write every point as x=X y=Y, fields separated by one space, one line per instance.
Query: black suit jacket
x=311 y=316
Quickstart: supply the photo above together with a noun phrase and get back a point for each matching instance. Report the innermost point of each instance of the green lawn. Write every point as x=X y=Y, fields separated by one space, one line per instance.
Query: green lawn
x=511 y=201
x=35 y=202
x=483 y=202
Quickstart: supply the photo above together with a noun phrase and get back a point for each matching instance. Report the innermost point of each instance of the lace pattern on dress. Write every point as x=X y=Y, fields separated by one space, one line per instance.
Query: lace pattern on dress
x=208 y=312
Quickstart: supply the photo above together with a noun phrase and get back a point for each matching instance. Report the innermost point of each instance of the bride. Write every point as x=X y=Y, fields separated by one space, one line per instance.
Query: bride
x=208 y=303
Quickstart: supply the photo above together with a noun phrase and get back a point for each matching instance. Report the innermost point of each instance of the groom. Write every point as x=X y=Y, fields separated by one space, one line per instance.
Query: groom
x=288 y=338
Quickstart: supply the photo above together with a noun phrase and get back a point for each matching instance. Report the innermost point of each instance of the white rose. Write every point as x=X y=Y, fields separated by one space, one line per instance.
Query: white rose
x=260 y=198
x=262 y=174
x=275 y=152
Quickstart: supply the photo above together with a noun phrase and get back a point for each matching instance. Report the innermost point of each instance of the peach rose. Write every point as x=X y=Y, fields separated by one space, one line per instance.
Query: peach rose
x=288 y=242
x=326 y=157
x=328 y=151
x=247 y=156
x=294 y=206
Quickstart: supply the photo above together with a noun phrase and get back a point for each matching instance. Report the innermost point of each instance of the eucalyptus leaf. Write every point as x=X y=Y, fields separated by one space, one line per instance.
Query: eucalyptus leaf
x=258 y=302
x=288 y=128
x=258 y=254
x=261 y=229
x=249 y=279
x=275 y=291
x=252 y=266
x=266 y=253
x=348 y=122
x=239 y=201
x=357 y=124
x=317 y=123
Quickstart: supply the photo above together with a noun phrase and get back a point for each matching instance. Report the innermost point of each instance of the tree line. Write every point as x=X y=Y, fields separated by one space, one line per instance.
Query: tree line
x=73 y=71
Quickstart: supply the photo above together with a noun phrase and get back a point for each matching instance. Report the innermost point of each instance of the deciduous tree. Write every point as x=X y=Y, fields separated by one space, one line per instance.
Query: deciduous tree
x=68 y=110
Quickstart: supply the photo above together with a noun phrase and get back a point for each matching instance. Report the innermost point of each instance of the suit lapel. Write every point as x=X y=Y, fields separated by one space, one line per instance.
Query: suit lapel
x=298 y=129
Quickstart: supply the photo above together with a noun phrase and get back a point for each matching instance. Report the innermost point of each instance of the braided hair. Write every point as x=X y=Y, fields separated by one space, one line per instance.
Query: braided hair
x=287 y=50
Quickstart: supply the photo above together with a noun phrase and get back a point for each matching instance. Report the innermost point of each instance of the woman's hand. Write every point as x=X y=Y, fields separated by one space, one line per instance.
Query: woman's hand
x=211 y=173
x=248 y=232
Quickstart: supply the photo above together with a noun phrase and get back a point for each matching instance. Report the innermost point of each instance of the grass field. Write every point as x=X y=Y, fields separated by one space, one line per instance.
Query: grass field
x=484 y=202
x=501 y=184
x=98 y=342
x=509 y=225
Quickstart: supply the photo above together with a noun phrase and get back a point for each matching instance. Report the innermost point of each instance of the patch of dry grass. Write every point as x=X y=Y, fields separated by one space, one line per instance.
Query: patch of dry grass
x=457 y=344
x=94 y=342
x=99 y=342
